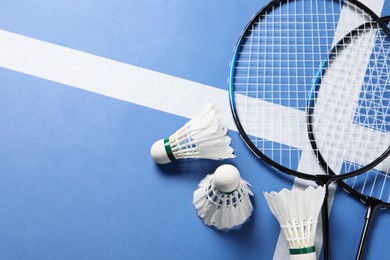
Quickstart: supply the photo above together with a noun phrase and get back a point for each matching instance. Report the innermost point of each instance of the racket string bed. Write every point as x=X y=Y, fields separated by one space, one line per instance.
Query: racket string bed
x=366 y=110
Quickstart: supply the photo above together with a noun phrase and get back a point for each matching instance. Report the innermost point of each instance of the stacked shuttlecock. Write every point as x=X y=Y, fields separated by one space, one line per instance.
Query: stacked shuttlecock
x=297 y=212
x=202 y=137
x=223 y=199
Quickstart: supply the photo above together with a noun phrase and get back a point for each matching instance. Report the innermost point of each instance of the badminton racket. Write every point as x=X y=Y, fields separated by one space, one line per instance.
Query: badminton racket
x=373 y=187
x=275 y=60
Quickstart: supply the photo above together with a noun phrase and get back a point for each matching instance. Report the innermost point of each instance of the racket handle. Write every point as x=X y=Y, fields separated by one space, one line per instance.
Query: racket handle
x=373 y=205
x=325 y=226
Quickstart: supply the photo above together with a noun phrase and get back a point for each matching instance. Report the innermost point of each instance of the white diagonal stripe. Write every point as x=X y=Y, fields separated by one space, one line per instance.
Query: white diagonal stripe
x=108 y=77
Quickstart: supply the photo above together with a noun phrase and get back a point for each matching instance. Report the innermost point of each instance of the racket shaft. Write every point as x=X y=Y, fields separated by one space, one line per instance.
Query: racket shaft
x=373 y=205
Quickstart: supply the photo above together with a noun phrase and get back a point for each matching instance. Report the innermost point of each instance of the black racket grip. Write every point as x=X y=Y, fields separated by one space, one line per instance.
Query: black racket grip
x=325 y=226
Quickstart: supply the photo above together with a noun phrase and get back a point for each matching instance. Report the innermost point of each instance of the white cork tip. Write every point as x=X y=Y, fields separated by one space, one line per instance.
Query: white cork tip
x=226 y=178
x=158 y=152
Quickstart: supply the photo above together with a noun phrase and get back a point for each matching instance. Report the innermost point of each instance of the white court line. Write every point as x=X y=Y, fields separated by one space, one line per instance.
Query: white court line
x=108 y=77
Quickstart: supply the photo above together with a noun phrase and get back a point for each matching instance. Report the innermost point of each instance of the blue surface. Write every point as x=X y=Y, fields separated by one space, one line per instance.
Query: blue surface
x=77 y=180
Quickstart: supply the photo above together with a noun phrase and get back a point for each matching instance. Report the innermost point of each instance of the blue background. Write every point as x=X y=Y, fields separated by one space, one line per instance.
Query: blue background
x=77 y=180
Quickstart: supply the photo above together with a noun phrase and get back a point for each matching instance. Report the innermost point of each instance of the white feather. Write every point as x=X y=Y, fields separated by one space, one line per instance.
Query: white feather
x=297 y=213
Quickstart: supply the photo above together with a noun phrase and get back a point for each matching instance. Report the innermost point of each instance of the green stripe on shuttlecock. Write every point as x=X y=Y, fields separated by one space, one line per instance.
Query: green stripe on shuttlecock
x=301 y=251
x=168 y=149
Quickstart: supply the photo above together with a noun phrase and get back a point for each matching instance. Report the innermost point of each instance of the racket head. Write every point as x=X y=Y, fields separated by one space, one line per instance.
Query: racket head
x=375 y=183
x=349 y=103
x=274 y=62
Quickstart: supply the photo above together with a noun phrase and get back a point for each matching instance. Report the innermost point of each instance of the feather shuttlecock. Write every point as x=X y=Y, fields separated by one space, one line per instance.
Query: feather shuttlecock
x=202 y=137
x=223 y=199
x=297 y=212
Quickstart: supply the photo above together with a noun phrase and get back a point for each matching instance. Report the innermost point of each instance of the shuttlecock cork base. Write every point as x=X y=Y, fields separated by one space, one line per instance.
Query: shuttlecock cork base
x=223 y=199
x=203 y=137
x=297 y=212
x=161 y=152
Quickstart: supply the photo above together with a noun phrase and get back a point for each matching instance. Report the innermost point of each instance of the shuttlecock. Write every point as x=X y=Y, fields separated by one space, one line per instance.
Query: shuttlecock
x=202 y=137
x=223 y=199
x=297 y=212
